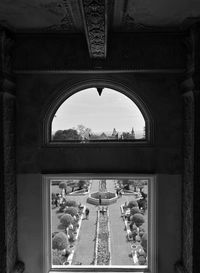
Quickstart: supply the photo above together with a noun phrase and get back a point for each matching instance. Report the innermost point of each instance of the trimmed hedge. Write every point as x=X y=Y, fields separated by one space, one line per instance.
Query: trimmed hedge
x=132 y=204
x=134 y=210
x=66 y=220
x=138 y=219
x=72 y=211
x=63 y=185
x=71 y=203
x=60 y=241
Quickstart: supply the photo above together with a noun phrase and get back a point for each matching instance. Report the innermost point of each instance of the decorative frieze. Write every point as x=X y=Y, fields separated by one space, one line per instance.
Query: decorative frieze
x=95 y=20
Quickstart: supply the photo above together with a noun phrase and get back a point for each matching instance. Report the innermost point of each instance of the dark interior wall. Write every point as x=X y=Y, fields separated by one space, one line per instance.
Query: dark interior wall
x=163 y=157
x=30 y=222
x=161 y=95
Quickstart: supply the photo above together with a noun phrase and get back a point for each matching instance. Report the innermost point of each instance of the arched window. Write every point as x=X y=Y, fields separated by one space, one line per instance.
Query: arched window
x=98 y=115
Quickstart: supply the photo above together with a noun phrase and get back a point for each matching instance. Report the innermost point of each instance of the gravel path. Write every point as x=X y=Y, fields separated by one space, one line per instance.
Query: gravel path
x=84 y=252
x=120 y=247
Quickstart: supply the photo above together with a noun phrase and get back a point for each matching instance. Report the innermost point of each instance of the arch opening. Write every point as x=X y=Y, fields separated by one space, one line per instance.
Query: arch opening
x=94 y=115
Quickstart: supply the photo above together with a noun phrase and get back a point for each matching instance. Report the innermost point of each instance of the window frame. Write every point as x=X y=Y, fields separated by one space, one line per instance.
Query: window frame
x=152 y=224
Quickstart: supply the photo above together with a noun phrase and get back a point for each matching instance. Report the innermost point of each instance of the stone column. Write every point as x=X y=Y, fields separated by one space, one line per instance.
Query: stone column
x=188 y=180
x=187 y=86
x=191 y=158
x=8 y=189
x=196 y=190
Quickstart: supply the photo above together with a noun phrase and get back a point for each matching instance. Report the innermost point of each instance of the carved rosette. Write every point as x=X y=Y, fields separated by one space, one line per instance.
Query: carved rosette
x=95 y=18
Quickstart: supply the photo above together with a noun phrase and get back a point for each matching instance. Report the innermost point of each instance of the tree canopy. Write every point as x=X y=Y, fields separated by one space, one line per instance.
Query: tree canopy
x=69 y=134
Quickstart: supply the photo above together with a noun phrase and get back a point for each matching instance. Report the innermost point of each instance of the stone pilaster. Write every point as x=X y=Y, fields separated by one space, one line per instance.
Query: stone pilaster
x=188 y=177
x=196 y=222
x=191 y=158
x=8 y=189
x=187 y=86
x=196 y=195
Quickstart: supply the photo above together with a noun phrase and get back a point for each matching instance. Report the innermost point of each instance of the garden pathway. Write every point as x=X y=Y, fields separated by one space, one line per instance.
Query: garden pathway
x=120 y=247
x=84 y=252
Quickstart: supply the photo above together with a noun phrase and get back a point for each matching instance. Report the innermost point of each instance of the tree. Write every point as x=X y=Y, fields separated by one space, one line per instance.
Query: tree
x=66 y=220
x=132 y=204
x=71 y=203
x=138 y=219
x=59 y=135
x=72 y=211
x=134 y=210
x=144 y=242
x=81 y=184
x=60 y=241
x=63 y=185
x=83 y=131
x=69 y=134
x=125 y=183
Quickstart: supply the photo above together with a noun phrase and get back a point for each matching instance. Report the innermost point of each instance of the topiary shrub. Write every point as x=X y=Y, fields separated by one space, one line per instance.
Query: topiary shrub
x=141 y=260
x=81 y=184
x=138 y=219
x=56 y=257
x=72 y=211
x=66 y=220
x=134 y=210
x=132 y=204
x=60 y=241
x=144 y=242
x=141 y=231
x=71 y=203
x=62 y=185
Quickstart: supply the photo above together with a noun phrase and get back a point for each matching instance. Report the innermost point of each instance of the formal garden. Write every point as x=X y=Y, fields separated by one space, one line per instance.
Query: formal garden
x=106 y=228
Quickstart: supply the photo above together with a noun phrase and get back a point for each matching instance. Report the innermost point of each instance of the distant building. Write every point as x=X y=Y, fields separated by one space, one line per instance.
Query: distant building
x=127 y=135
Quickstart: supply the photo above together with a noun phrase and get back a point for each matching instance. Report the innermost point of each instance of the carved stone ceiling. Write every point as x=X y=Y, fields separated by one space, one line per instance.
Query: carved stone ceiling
x=96 y=18
x=65 y=15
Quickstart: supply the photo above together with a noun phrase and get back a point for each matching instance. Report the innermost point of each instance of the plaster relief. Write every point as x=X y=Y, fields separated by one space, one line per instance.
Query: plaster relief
x=95 y=13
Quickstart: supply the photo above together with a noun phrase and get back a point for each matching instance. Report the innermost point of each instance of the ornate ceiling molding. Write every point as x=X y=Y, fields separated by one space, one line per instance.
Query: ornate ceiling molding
x=95 y=23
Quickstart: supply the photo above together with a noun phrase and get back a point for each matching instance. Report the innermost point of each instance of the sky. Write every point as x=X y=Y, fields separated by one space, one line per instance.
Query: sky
x=99 y=113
